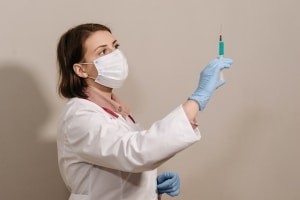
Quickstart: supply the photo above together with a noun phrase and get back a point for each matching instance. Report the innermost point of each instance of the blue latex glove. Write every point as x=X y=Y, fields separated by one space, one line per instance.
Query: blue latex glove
x=168 y=182
x=209 y=81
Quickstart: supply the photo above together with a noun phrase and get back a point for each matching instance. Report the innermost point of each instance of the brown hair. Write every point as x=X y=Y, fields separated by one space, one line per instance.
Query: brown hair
x=70 y=50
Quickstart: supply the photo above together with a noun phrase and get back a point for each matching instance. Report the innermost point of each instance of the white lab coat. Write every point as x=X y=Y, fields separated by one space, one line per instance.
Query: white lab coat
x=109 y=158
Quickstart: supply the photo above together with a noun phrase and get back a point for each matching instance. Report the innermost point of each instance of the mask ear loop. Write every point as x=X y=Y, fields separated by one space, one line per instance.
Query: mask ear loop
x=90 y=77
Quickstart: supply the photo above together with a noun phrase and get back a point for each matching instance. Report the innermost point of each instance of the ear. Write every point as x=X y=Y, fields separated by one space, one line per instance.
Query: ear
x=80 y=71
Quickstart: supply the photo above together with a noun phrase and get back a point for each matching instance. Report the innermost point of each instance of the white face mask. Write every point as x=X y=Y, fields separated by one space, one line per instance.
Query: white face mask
x=112 y=69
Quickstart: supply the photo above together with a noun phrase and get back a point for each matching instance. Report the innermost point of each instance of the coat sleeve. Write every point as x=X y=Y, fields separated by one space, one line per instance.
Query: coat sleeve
x=91 y=137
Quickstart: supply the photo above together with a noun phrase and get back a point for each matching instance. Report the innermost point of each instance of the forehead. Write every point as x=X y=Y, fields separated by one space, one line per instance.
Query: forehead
x=97 y=39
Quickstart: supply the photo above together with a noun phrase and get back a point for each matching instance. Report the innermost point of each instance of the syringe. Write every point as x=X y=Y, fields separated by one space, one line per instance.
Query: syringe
x=221 y=46
x=221 y=51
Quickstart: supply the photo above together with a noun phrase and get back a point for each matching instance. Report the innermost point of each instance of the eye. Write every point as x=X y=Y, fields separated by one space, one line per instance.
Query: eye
x=117 y=46
x=105 y=51
x=102 y=52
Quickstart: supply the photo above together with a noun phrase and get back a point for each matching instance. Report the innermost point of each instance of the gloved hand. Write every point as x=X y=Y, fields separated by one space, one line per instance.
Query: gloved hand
x=209 y=81
x=168 y=182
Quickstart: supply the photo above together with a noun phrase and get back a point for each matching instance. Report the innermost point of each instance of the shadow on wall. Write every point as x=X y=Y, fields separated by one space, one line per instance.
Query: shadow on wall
x=28 y=167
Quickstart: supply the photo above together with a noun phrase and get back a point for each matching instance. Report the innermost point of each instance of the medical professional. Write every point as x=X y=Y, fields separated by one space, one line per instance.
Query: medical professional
x=103 y=152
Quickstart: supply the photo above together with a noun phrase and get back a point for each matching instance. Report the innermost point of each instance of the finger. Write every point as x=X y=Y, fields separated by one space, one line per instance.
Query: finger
x=166 y=175
x=174 y=191
x=162 y=177
x=227 y=60
x=169 y=185
x=173 y=194
x=165 y=185
x=220 y=83
x=222 y=66
x=172 y=187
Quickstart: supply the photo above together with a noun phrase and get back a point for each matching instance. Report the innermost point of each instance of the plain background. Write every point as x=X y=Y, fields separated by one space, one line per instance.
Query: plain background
x=250 y=128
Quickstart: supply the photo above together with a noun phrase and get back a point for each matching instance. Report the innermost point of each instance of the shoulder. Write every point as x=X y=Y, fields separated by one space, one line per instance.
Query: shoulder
x=81 y=112
x=78 y=106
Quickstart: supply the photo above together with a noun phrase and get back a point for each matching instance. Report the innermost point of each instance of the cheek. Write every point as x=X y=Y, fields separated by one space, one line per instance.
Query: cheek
x=92 y=71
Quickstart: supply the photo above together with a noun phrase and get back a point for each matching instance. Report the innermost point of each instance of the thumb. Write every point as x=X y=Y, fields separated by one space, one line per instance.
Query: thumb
x=220 y=83
x=164 y=176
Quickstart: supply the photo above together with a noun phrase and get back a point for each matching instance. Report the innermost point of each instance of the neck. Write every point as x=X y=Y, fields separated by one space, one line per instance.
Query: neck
x=104 y=90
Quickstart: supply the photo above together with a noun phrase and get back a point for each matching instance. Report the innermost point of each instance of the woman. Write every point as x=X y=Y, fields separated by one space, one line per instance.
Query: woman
x=103 y=153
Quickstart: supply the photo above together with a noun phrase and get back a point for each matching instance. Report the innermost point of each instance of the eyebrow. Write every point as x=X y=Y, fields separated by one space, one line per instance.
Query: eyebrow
x=105 y=45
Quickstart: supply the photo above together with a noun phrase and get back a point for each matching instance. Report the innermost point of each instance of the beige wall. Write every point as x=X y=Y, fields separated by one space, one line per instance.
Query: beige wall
x=250 y=128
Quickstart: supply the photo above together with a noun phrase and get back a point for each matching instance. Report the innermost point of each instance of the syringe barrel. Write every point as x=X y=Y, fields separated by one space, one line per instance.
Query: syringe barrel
x=221 y=48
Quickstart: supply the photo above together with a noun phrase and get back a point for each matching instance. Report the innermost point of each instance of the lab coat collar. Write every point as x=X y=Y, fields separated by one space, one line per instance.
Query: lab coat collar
x=114 y=104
